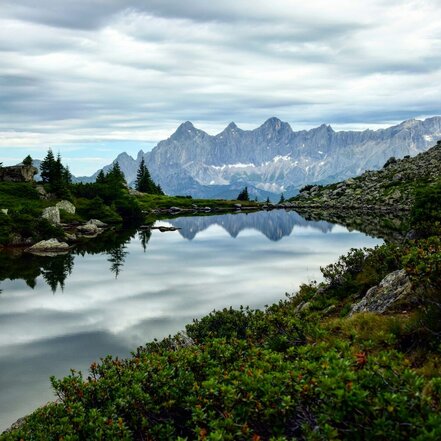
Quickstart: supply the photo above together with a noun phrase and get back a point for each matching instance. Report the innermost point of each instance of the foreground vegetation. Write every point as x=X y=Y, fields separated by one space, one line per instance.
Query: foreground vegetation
x=304 y=368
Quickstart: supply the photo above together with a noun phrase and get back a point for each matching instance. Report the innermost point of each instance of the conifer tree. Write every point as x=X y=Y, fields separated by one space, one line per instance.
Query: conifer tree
x=27 y=161
x=47 y=167
x=144 y=181
x=115 y=176
x=55 y=174
x=101 y=177
x=243 y=195
x=282 y=199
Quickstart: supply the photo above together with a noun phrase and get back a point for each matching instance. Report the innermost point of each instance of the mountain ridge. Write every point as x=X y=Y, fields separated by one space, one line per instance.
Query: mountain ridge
x=273 y=158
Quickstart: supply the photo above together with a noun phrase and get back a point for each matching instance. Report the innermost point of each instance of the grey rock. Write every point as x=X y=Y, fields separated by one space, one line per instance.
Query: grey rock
x=395 y=287
x=50 y=246
x=42 y=192
x=71 y=237
x=52 y=214
x=97 y=223
x=134 y=192
x=66 y=206
x=88 y=229
x=18 y=173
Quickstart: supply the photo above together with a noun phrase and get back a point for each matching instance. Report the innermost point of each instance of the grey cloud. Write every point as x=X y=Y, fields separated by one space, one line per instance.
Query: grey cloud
x=133 y=70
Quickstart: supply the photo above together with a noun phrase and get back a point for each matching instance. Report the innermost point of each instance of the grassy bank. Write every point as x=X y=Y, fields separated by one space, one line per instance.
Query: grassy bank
x=112 y=203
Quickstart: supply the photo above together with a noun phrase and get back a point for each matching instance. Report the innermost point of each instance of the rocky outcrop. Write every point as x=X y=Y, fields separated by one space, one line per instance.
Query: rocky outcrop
x=91 y=228
x=52 y=214
x=18 y=173
x=394 y=289
x=391 y=189
x=97 y=223
x=66 y=206
x=49 y=247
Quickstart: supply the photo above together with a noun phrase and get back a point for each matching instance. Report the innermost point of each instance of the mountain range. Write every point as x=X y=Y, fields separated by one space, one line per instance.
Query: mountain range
x=272 y=158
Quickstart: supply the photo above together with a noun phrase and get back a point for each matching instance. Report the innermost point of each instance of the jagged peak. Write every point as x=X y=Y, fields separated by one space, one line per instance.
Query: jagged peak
x=187 y=125
x=123 y=155
x=231 y=128
x=184 y=128
x=323 y=128
x=410 y=123
x=272 y=121
x=275 y=123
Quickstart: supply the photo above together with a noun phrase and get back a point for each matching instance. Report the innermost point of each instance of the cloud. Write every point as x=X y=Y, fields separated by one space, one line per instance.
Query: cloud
x=117 y=71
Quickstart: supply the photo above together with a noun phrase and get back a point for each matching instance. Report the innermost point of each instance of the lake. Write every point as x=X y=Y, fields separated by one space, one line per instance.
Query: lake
x=123 y=290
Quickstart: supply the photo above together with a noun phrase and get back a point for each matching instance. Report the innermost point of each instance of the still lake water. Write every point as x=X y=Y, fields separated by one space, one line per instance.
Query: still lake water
x=65 y=312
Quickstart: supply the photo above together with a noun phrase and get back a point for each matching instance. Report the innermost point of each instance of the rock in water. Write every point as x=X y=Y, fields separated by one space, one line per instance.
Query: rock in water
x=66 y=206
x=52 y=214
x=97 y=223
x=48 y=247
x=395 y=287
x=88 y=229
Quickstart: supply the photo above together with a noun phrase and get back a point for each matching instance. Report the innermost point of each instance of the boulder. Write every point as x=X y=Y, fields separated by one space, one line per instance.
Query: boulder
x=97 y=223
x=71 y=237
x=52 y=214
x=50 y=246
x=134 y=192
x=395 y=287
x=18 y=173
x=42 y=193
x=237 y=206
x=66 y=206
x=89 y=229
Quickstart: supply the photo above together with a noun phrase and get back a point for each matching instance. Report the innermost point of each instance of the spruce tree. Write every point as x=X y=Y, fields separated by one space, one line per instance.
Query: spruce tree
x=47 y=167
x=116 y=176
x=27 y=161
x=243 y=195
x=282 y=199
x=101 y=177
x=144 y=181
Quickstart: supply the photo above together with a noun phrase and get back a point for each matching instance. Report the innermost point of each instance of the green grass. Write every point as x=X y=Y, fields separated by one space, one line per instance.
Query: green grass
x=15 y=196
x=152 y=202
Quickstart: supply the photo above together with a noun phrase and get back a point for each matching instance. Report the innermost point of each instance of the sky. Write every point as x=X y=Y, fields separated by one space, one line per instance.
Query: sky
x=92 y=78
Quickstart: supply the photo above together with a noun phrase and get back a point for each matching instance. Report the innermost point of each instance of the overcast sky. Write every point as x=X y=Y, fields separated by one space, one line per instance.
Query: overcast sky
x=91 y=78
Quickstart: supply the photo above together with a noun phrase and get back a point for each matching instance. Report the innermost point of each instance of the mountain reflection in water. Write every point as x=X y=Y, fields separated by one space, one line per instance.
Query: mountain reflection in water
x=272 y=224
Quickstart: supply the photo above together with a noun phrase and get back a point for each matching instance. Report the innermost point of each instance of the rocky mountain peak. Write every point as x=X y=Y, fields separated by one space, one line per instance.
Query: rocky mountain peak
x=184 y=130
x=274 y=124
